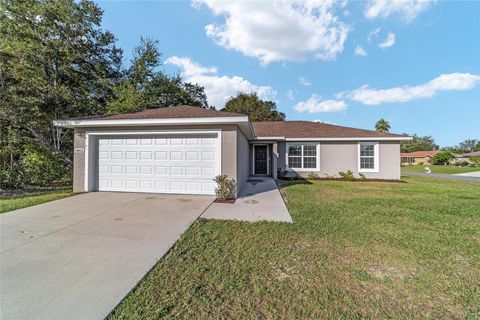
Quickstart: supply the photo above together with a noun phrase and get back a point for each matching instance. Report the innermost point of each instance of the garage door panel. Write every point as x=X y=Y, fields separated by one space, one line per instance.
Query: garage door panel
x=164 y=164
x=176 y=155
x=131 y=155
x=176 y=141
x=176 y=171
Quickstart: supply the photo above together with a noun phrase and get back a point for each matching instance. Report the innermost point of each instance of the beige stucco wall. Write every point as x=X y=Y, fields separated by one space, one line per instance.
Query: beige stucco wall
x=229 y=149
x=78 y=161
x=243 y=156
x=342 y=156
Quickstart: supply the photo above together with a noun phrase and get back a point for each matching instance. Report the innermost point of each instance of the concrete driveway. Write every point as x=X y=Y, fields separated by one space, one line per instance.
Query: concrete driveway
x=76 y=258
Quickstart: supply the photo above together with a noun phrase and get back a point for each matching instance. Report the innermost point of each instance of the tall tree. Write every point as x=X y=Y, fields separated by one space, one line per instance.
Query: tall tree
x=382 y=125
x=426 y=143
x=55 y=62
x=256 y=108
x=146 y=86
x=469 y=145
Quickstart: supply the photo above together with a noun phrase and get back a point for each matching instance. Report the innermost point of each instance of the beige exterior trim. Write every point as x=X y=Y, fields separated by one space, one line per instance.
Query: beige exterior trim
x=337 y=139
x=147 y=122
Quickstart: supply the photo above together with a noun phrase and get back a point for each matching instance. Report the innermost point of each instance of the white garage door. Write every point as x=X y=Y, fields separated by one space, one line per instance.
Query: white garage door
x=163 y=164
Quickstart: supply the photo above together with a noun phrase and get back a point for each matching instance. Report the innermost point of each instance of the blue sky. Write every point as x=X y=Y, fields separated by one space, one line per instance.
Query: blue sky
x=414 y=63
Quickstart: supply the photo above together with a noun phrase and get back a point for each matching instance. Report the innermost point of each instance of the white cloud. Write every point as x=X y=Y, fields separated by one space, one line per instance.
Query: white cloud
x=373 y=34
x=408 y=10
x=324 y=121
x=290 y=94
x=315 y=104
x=390 y=41
x=444 y=82
x=218 y=88
x=278 y=30
x=304 y=82
x=359 y=51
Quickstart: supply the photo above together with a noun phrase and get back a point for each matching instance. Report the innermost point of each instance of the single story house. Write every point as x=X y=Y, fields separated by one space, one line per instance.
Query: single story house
x=418 y=157
x=181 y=149
x=459 y=158
x=471 y=154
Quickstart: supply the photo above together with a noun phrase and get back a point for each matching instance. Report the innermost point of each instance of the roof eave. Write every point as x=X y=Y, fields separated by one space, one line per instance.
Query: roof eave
x=336 y=138
x=147 y=122
x=241 y=121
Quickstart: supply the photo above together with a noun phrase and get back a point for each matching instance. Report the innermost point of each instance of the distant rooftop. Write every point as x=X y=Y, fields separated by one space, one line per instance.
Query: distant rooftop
x=419 y=154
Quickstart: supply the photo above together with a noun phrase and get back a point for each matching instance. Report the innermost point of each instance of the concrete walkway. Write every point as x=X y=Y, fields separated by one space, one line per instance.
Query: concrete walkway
x=76 y=258
x=445 y=176
x=260 y=200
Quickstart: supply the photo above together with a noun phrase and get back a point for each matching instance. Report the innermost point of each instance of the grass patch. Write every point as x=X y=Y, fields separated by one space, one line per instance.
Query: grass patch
x=355 y=250
x=439 y=169
x=31 y=198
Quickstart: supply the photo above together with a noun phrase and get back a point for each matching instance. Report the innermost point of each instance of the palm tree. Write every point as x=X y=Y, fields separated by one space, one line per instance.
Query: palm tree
x=382 y=125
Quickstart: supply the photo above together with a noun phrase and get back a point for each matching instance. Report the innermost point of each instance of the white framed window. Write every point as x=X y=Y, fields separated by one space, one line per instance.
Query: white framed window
x=368 y=155
x=303 y=156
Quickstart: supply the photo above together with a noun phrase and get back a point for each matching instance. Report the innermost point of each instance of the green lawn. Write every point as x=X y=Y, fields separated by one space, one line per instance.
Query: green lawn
x=438 y=169
x=9 y=203
x=355 y=250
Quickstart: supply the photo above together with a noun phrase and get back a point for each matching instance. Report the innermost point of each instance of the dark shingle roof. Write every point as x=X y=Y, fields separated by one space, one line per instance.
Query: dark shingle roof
x=309 y=129
x=288 y=129
x=167 y=112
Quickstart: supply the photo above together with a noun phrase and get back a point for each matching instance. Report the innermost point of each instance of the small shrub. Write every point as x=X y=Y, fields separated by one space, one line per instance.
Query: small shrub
x=226 y=188
x=312 y=175
x=281 y=173
x=475 y=160
x=420 y=163
x=362 y=176
x=329 y=177
x=43 y=168
x=9 y=179
x=462 y=164
x=347 y=175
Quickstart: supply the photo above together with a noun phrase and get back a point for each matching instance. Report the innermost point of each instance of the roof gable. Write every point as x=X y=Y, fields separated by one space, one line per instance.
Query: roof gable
x=166 y=113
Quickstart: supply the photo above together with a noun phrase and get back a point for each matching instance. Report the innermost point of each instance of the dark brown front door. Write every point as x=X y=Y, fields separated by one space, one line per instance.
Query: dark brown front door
x=261 y=159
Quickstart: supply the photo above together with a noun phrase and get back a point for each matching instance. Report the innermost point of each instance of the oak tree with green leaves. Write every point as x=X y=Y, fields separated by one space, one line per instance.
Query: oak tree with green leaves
x=418 y=143
x=145 y=86
x=56 y=62
x=256 y=108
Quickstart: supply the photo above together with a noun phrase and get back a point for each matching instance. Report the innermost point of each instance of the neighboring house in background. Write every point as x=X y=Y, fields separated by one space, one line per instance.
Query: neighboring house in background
x=459 y=158
x=472 y=154
x=418 y=157
x=181 y=149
